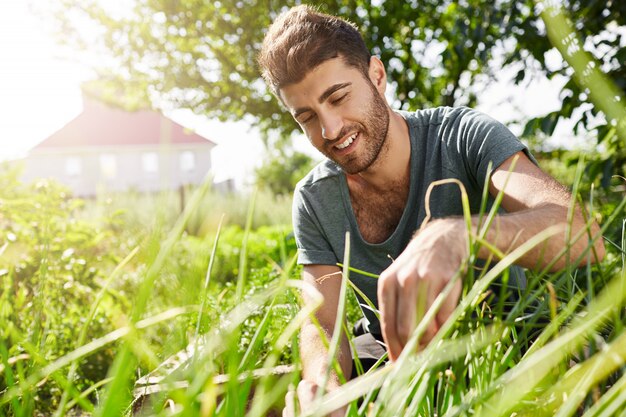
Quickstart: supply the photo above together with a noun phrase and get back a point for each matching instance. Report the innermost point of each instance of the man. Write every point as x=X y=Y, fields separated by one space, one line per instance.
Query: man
x=379 y=166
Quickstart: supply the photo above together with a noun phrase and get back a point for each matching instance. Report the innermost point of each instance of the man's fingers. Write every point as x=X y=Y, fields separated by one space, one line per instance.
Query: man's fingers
x=432 y=291
x=306 y=393
x=407 y=305
x=290 y=405
x=387 y=302
x=449 y=304
x=338 y=413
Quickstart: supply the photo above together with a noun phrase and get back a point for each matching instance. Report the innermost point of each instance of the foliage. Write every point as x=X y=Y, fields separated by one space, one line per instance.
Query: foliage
x=124 y=210
x=282 y=169
x=51 y=266
x=195 y=54
x=485 y=349
x=57 y=258
x=601 y=28
x=201 y=55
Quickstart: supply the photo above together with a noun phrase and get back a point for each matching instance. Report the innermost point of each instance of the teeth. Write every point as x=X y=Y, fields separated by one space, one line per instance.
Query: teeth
x=346 y=142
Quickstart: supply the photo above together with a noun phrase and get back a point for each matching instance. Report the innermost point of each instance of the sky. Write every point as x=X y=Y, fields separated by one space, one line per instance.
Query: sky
x=40 y=93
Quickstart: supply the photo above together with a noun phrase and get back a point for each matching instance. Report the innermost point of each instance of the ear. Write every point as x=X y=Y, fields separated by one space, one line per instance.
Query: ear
x=377 y=74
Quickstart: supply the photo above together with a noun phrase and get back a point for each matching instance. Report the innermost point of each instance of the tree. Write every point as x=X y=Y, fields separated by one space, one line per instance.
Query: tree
x=202 y=55
x=602 y=26
x=283 y=168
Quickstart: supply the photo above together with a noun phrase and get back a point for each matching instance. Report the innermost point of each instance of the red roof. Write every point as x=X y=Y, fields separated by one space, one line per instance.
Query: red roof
x=102 y=125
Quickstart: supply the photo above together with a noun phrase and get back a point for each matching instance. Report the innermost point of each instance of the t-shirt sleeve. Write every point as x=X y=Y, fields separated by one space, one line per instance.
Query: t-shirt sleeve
x=313 y=246
x=487 y=142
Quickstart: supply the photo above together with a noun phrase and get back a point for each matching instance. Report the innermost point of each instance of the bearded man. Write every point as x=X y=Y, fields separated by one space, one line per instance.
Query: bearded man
x=373 y=183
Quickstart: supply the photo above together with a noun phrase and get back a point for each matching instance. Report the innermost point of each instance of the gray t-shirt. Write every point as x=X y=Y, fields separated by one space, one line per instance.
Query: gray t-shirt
x=445 y=143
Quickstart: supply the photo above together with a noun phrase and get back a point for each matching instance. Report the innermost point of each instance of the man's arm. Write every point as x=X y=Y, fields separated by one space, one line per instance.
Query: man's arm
x=327 y=280
x=534 y=202
x=314 y=354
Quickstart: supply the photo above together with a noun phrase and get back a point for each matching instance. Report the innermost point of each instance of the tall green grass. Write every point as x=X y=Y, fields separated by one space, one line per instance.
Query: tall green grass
x=81 y=296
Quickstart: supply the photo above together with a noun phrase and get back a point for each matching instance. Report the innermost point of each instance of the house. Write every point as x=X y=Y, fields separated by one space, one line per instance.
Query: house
x=110 y=149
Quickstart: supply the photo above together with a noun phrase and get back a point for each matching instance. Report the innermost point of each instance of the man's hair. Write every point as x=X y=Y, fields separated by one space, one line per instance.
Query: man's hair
x=301 y=39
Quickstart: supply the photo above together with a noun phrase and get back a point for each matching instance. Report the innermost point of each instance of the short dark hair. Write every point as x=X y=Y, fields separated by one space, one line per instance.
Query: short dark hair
x=302 y=38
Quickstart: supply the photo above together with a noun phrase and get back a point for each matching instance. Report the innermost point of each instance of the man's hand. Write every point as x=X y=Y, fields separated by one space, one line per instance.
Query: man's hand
x=428 y=263
x=305 y=395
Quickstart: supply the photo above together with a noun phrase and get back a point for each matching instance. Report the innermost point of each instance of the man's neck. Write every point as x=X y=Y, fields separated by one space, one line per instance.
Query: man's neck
x=392 y=165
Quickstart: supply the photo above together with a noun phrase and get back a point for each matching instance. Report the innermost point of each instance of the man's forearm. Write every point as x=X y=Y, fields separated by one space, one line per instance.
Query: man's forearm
x=314 y=356
x=509 y=231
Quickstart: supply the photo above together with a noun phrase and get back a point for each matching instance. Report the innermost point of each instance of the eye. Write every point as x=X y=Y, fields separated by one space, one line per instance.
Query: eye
x=339 y=99
x=306 y=119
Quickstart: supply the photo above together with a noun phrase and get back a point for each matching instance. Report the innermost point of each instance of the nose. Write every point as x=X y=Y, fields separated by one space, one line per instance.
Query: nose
x=331 y=124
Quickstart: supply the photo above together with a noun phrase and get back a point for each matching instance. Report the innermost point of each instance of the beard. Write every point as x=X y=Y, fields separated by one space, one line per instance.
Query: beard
x=372 y=136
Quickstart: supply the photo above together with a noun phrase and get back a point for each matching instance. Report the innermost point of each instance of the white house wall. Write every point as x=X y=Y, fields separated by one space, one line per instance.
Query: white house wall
x=129 y=174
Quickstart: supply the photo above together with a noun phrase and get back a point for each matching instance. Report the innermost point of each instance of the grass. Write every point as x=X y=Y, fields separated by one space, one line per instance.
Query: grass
x=558 y=349
x=93 y=299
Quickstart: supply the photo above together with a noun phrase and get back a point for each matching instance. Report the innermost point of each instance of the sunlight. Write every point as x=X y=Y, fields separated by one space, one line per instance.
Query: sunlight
x=39 y=93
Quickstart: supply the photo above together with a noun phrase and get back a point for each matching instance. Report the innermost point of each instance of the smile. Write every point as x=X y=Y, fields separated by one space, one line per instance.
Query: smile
x=346 y=142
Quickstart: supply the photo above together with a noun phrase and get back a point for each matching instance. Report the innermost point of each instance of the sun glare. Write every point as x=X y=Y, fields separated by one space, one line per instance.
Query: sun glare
x=39 y=92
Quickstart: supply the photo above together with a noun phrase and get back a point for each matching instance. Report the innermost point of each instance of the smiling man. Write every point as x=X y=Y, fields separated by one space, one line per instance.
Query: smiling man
x=374 y=182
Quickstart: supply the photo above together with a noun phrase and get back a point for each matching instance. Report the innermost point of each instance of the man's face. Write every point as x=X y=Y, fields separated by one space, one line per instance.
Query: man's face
x=342 y=113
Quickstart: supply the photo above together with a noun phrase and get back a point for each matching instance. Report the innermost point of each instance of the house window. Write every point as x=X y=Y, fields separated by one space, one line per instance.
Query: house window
x=187 y=161
x=73 y=166
x=108 y=166
x=150 y=162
